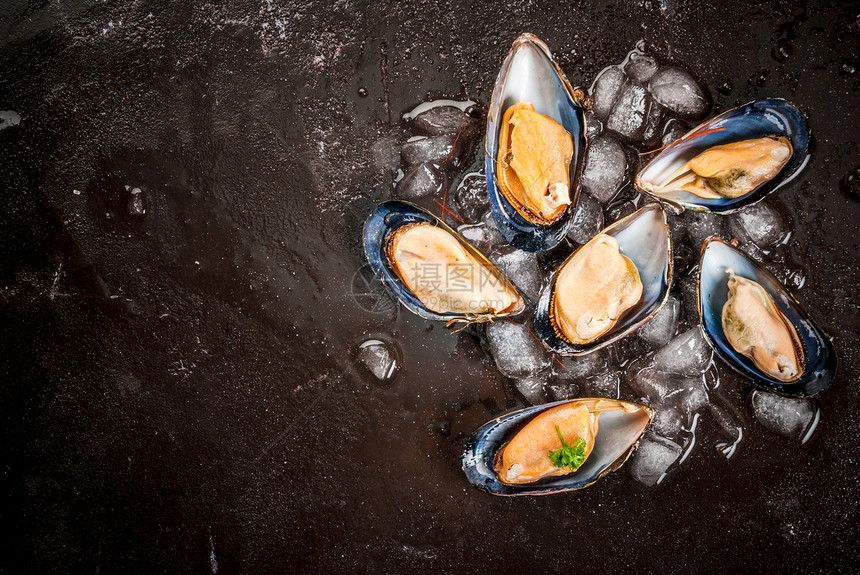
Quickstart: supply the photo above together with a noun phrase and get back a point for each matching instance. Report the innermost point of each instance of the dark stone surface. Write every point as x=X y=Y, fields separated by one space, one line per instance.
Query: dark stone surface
x=178 y=388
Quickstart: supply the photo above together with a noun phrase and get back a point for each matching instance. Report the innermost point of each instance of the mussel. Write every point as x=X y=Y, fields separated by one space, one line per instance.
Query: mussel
x=757 y=327
x=732 y=160
x=535 y=148
x=553 y=447
x=608 y=287
x=434 y=272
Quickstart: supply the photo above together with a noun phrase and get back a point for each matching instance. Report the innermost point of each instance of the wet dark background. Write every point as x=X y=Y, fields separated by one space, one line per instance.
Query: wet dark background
x=179 y=392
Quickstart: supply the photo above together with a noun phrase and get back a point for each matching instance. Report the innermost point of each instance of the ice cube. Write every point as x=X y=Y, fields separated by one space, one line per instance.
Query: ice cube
x=579 y=367
x=761 y=223
x=593 y=126
x=683 y=257
x=727 y=422
x=587 y=219
x=793 y=418
x=640 y=67
x=482 y=237
x=619 y=210
x=605 y=168
x=700 y=225
x=652 y=122
x=662 y=388
x=441 y=120
x=628 y=115
x=379 y=359
x=488 y=220
x=689 y=299
x=562 y=391
x=653 y=458
x=533 y=387
x=687 y=354
x=471 y=197
x=446 y=150
x=604 y=385
x=605 y=89
x=662 y=326
x=673 y=130
x=675 y=89
x=517 y=353
x=521 y=268
x=9 y=119
x=668 y=422
x=422 y=180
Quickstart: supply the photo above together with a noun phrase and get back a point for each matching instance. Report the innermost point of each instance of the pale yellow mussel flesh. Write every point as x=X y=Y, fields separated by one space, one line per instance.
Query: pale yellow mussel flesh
x=525 y=458
x=755 y=327
x=594 y=287
x=730 y=170
x=445 y=276
x=534 y=163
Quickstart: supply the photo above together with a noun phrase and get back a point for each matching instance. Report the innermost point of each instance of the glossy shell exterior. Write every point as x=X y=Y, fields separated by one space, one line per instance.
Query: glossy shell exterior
x=530 y=74
x=384 y=220
x=712 y=291
x=773 y=116
x=644 y=237
x=619 y=432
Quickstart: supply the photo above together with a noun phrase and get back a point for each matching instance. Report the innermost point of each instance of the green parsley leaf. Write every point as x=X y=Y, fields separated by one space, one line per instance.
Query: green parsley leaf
x=570 y=456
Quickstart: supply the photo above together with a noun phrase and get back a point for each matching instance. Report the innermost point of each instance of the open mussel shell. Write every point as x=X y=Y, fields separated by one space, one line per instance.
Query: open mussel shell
x=758 y=119
x=618 y=433
x=644 y=237
x=819 y=366
x=385 y=220
x=529 y=74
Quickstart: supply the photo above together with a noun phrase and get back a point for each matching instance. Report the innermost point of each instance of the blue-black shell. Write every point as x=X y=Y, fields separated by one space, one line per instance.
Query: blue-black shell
x=768 y=117
x=644 y=237
x=384 y=220
x=530 y=74
x=712 y=292
x=618 y=433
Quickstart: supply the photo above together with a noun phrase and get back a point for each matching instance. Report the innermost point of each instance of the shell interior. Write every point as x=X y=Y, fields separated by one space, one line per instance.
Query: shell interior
x=758 y=119
x=643 y=236
x=618 y=434
x=384 y=221
x=820 y=358
x=530 y=75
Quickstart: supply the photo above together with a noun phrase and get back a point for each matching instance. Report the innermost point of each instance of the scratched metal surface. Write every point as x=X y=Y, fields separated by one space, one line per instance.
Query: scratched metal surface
x=178 y=391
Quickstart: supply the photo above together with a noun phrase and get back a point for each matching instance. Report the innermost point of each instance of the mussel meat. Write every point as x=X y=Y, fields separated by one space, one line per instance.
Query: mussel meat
x=535 y=452
x=732 y=160
x=594 y=287
x=535 y=148
x=432 y=270
x=534 y=163
x=443 y=275
x=609 y=287
x=729 y=170
x=554 y=447
x=755 y=327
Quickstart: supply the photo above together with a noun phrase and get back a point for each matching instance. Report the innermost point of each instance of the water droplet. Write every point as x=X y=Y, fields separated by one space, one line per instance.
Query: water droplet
x=781 y=51
x=726 y=87
x=362 y=92
x=473 y=112
x=850 y=185
x=380 y=360
x=135 y=205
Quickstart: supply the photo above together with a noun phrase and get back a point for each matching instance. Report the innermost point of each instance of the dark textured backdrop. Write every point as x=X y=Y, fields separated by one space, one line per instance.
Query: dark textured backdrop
x=177 y=391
